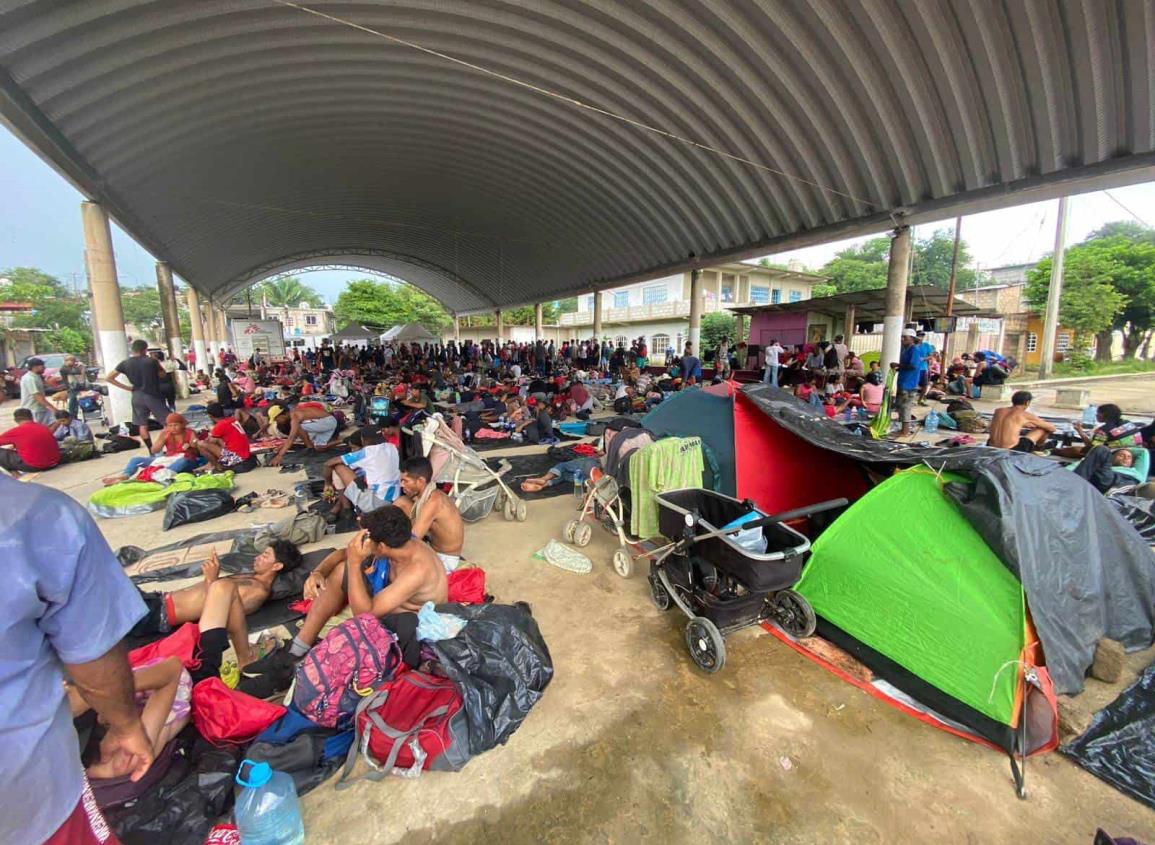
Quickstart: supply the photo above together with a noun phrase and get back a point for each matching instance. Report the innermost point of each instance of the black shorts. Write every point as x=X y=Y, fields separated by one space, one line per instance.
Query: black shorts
x=923 y=378
x=1025 y=444
x=146 y=404
x=10 y=460
x=155 y=621
x=214 y=643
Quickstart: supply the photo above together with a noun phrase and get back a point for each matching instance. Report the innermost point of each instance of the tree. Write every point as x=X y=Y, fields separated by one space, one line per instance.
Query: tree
x=864 y=266
x=1128 y=229
x=715 y=326
x=859 y=267
x=1090 y=301
x=287 y=292
x=773 y=265
x=819 y=291
x=932 y=261
x=567 y=306
x=382 y=305
x=53 y=308
x=141 y=308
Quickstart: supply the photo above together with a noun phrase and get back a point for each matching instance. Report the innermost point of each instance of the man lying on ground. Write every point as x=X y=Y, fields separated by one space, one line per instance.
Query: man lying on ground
x=565 y=471
x=1098 y=467
x=392 y=571
x=376 y=463
x=247 y=594
x=310 y=423
x=434 y=515
x=33 y=446
x=1007 y=426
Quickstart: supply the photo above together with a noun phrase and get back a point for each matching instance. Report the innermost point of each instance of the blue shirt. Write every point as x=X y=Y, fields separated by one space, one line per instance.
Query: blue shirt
x=65 y=600
x=925 y=350
x=908 y=367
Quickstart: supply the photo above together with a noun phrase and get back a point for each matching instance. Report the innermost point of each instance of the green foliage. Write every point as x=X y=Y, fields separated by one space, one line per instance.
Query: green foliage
x=567 y=306
x=932 y=260
x=524 y=316
x=141 y=307
x=286 y=292
x=382 y=305
x=715 y=326
x=53 y=307
x=68 y=340
x=1128 y=229
x=773 y=265
x=859 y=267
x=864 y=266
x=819 y=291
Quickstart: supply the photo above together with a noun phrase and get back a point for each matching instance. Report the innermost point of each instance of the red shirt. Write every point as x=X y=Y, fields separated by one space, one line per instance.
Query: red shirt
x=34 y=444
x=235 y=440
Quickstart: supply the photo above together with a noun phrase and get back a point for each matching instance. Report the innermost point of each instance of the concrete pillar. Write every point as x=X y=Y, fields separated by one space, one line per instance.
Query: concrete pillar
x=696 y=311
x=171 y=318
x=100 y=263
x=499 y=321
x=198 y=329
x=538 y=323
x=848 y=324
x=210 y=335
x=457 y=328
x=598 y=315
x=740 y=329
x=223 y=328
x=895 y=313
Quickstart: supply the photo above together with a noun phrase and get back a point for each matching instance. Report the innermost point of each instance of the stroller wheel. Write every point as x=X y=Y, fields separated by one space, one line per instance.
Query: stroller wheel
x=499 y=502
x=570 y=530
x=659 y=595
x=582 y=534
x=520 y=511
x=707 y=648
x=624 y=562
x=508 y=510
x=793 y=613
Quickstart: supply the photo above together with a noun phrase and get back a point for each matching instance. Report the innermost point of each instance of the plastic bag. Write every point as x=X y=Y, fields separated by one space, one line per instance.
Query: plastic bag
x=434 y=626
x=196 y=506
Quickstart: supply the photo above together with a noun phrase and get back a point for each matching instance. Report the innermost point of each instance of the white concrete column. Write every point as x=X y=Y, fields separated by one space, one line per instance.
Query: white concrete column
x=457 y=328
x=168 y=312
x=198 y=330
x=499 y=322
x=696 y=311
x=100 y=264
x=896 y=279
x=210 y=333
x=223 y=328
x=538 y=323
x=598 y=315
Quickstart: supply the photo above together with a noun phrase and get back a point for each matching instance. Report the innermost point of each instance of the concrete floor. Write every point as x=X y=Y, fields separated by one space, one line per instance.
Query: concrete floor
x=631 y=743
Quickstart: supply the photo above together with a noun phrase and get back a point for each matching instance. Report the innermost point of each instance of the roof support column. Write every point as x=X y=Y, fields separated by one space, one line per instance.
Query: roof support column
x=597 y=315
x=895 y=313
x=538 y=322
x=100 y=264
x=456 y=329
x=848 y=324
x=168 y=312
x=695 y=311
x=198 y=329
x=210 y=335
x=499 y=321
x=223 y=327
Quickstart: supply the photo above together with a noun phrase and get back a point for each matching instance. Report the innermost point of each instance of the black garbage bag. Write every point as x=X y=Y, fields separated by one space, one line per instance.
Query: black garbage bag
x=189 y=800
x=1119 y=747
x=196 y=506
x=501 y=664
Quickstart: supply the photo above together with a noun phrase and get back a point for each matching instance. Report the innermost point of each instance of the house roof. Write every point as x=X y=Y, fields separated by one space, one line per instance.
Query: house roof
x=928 y=302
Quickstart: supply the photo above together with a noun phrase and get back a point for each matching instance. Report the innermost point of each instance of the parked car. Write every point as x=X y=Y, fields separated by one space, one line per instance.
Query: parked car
x=53 y=361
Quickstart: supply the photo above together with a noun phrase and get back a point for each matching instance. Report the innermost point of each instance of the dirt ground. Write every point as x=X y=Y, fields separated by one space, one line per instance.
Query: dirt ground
x=632 y=743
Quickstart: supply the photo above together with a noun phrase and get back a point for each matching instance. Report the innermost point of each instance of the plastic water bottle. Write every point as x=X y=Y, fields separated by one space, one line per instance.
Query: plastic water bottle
x=1090 y=415
x=930 y=424
x=577 y=485
x=863 y=416
x=267 y=811
x=848 y=414
x=300 y=499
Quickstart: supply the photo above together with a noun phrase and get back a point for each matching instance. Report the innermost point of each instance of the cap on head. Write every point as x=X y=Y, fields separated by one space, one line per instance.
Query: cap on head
x=908 y=333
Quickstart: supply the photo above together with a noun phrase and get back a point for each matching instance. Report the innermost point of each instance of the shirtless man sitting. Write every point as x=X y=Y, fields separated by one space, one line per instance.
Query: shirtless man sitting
x=311 y=424
x=392 y=571
x=435 y=517
x=1007 y=425
x=245 y=593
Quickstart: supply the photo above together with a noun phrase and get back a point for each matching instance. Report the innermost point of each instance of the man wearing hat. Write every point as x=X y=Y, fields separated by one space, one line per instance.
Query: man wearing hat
x=32 y=393
x=908 y=366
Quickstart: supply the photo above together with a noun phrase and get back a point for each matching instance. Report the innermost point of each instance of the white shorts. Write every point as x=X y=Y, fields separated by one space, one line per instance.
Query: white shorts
x=450 y=562
x=320 y=430
x=363 y=500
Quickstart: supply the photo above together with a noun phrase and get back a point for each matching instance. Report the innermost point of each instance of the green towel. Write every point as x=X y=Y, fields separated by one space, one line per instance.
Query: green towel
x=673 y=463
x=133 y=497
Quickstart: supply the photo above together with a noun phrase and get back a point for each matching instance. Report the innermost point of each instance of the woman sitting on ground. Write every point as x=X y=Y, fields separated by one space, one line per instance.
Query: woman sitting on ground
x=179 y=441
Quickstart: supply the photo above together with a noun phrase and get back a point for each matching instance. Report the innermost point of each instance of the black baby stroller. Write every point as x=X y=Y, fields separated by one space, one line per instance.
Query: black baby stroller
x=722 y=585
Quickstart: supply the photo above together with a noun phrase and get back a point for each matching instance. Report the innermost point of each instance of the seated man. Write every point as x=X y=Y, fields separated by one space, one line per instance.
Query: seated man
x=376 y=463
x=1007 y=426
x=311 y=424
x=246 y=594
x=227 y=446
x=67 y=426
x=434 y=515
x=34 y=447
x=392 y=571
x=1098 y=467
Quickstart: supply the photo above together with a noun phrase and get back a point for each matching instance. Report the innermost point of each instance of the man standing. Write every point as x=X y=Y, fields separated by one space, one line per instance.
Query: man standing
x=691 y=366
x=908 y=367
x=144 y=374
x=32 y=393
x=66 y=607
x=770 y=376
x=328 y=358
x=925 y=350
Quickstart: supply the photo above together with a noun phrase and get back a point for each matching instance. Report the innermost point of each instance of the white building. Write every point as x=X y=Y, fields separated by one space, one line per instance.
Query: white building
x=305 y=326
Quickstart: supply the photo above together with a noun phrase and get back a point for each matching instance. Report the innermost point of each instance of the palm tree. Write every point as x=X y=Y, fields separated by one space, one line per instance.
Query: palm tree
x=288 y=292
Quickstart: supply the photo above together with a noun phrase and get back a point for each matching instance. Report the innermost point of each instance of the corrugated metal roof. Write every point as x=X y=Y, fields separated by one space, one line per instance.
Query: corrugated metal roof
x=453 y=143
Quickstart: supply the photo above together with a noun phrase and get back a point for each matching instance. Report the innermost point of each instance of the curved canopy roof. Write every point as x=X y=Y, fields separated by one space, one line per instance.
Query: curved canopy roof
x=498 y=152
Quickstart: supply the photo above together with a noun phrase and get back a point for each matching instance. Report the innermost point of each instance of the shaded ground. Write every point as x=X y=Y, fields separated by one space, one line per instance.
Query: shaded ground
x=631 y=743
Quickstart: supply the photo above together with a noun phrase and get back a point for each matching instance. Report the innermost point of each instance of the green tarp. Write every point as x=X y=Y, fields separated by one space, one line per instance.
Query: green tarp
x=904 y=573
x=134 y=497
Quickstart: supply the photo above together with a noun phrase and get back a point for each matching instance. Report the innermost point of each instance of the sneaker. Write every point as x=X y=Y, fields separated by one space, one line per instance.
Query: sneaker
x=275 y=661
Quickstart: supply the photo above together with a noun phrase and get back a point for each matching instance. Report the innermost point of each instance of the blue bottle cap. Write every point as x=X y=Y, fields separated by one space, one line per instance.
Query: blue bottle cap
x=259 y=774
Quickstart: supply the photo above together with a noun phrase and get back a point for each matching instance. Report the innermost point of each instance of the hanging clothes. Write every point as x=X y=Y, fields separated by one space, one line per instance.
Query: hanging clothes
x=670 y=464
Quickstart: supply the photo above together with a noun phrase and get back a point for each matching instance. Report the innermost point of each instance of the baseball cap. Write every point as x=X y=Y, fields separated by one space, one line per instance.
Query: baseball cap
x=909 y=333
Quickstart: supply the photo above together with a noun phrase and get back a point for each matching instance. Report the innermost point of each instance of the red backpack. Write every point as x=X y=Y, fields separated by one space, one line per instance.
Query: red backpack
x=414 y=722
x=351 y=661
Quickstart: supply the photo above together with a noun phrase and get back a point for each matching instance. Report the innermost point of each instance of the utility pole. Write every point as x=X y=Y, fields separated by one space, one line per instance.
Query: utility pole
x=1054 y=294
x=949 y=312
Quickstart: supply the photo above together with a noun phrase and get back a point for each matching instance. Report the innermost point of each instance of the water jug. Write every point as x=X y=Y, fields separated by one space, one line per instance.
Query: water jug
x=1090 y=415
x=930 y=424
x=267 y=810
x=577 y=486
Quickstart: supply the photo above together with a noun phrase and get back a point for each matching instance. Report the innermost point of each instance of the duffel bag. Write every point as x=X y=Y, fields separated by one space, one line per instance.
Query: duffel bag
x=413 y=723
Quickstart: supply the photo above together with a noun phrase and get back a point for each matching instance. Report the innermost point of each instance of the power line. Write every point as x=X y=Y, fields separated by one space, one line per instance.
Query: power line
x=1115 y=200
x=575 y=102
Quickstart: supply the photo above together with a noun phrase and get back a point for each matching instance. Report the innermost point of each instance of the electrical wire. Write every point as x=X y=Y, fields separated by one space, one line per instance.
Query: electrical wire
x=1115 y=200
x=545 y=92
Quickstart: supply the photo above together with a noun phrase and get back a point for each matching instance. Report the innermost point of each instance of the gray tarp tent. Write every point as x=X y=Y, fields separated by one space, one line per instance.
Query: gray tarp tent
x=409 y=333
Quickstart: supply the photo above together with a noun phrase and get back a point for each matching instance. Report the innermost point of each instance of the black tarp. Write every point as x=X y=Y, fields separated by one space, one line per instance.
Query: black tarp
x=1086 y=570
x=1119 y=747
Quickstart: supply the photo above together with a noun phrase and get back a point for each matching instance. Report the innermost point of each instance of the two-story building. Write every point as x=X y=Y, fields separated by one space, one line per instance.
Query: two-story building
x=305 y=326
x=659 y=310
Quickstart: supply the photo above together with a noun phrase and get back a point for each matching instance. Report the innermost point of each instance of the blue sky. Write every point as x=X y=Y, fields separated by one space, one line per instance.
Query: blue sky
x=40 y=227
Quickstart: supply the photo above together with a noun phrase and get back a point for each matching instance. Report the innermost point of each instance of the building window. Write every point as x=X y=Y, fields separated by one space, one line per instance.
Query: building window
x=659 y=343
x=621 y=299
x=1063 y=342
x=795 y=296
x=288 y=321
x=589 y=303
x=621 y=340
x=727 y=293
x=1032 y=342
x=310 y=319
x=760 y=295
x=654 y=294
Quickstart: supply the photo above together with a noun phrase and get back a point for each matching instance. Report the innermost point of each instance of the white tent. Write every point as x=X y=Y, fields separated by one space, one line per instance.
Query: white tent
x=409 y=333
